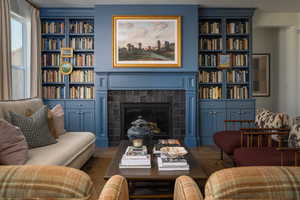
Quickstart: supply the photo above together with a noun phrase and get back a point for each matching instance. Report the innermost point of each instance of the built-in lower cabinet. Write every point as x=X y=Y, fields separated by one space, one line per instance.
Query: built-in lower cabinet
x=79 y=114
x=213 y=114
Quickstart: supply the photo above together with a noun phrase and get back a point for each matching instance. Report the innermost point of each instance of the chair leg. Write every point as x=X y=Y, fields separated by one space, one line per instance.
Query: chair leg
x=222 y=154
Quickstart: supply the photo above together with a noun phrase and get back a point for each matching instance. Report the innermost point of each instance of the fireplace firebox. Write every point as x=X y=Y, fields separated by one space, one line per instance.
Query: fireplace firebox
x=158 y=113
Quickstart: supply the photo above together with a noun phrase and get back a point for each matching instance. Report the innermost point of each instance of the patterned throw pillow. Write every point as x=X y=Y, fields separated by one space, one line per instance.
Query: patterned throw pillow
x=294 y=137
x=35 y=128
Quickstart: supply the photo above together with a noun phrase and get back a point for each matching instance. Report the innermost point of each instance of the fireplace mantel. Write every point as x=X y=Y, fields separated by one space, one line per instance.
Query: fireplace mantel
x=106 y=81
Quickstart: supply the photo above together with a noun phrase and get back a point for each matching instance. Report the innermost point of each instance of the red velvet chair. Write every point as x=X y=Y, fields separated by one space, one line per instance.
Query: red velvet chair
x=259 y=149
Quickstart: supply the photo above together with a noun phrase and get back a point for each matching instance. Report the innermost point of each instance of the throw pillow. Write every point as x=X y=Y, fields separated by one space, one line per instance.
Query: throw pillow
x=34 y=128
x=13 y=146
x=294 y=136
x=57 y=113
x=29 y=112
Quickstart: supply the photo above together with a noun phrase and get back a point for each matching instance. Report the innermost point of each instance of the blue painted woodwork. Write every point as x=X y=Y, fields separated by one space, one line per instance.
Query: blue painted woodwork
x=146 y=81
x=213 y=113
x=203 y=117
x=103 y=39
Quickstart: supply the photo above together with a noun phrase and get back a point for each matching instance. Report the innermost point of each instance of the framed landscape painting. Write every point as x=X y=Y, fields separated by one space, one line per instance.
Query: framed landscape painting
x=261 y=75
x=146 y=41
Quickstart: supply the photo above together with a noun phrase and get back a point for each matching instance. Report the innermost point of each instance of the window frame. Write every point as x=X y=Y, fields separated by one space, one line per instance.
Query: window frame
x=25 y=53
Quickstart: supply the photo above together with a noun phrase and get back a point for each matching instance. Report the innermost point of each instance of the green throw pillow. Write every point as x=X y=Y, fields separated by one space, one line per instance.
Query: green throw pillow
x=35 y=128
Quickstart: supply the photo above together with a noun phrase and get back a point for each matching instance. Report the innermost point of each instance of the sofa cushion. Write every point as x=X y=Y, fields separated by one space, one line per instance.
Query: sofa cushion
x=44 y=182
x=264 y=183
x=19 y=106
x=264 y=156
x=13 y=145
x=228 y=140
x=69 y=146
x=34 y=128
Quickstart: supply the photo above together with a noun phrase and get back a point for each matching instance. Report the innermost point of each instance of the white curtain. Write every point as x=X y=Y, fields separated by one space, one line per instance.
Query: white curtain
x=35 y=58
x=5 y=51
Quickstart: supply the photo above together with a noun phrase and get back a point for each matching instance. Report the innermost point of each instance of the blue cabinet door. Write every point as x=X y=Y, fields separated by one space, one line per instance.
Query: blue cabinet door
x=219 y=117
x=206 y=126
x=73 y=120
x=88 y=120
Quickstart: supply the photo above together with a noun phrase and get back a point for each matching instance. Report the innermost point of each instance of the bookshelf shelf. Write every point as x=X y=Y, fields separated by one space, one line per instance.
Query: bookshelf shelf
x=77 y=33
x=210 y=35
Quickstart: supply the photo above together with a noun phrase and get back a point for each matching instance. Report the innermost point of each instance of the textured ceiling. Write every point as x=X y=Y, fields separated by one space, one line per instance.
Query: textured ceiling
x=266 y=5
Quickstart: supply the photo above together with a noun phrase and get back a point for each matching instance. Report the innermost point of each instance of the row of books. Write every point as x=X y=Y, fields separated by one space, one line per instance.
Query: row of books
x=83 y=60
x=238 y=92
x=135 y=158
x=237 y=44
x=52 y=76
x=81 y=27
x=79 y=76
x=239 y=60
x=211 y=76
x=53 y=27
x=52 y=92
x=237 y=76
x=210 y=28
x=210 y=92
x=53 y=44
x=211 y=44
x=81 y=92
x=238 y=27
x=52 y=59
x=209 y=60
x=82 y=43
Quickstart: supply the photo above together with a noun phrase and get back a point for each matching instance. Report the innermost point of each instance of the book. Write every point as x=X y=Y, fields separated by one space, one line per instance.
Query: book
x=135 y=161
x=162 y=167
x=133 y=152
x=134 y=166
x=165 y=161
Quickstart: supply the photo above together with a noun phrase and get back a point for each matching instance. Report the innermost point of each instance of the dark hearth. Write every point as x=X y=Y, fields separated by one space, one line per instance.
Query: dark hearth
x=174 y=98
x=159 y=113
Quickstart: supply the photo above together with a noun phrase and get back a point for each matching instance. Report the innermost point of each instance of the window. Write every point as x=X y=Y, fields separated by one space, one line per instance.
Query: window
x=20 y=55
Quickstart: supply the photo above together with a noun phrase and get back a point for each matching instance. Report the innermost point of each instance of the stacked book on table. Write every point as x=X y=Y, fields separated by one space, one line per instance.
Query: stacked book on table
x=166 y=163
x=135 y=158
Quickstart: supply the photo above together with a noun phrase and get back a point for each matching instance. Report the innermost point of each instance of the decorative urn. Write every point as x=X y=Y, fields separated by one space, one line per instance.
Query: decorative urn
x=139 y=131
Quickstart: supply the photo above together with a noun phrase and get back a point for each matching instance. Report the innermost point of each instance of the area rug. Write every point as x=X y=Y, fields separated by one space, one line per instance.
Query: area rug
x=97 y=165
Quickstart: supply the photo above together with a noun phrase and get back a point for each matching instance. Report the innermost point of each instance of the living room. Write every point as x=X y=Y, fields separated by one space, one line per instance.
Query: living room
x=133 y=99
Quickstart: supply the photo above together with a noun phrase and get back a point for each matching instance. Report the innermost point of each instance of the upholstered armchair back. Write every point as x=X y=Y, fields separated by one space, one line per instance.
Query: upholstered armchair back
x=44 y=182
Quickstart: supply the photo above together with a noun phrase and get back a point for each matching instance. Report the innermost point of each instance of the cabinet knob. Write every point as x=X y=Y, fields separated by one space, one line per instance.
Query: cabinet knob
x=210 y=112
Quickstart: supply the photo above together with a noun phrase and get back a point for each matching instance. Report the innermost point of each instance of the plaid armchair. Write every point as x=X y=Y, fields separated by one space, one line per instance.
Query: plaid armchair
x=44 y=182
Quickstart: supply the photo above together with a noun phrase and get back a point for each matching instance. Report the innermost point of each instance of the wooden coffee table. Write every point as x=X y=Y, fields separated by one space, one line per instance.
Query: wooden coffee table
x=134 y=176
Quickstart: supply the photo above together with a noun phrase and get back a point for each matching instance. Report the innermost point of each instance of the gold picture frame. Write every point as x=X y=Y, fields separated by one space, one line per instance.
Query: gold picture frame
x=224 y=61
x=65 y=68
x=66 y=52
x=133 y=43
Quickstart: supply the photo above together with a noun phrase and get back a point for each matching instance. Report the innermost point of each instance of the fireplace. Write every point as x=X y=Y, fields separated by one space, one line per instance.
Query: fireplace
x=165 y=107
x=158 y=113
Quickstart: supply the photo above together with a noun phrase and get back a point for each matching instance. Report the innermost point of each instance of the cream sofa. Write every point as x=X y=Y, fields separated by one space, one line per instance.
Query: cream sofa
x=72 y=149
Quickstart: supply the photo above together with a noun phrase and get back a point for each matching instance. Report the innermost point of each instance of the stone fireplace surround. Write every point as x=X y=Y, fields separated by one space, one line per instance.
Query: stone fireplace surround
x=176 y=99
x=135 y=85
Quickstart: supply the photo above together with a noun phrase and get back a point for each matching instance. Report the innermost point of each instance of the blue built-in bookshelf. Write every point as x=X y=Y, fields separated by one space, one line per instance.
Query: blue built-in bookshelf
x=224 y=94
x=70 y=28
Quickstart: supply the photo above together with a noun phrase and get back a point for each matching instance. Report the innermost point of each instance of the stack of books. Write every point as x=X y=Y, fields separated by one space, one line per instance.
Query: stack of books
x=135 y=158
x=172 y=164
